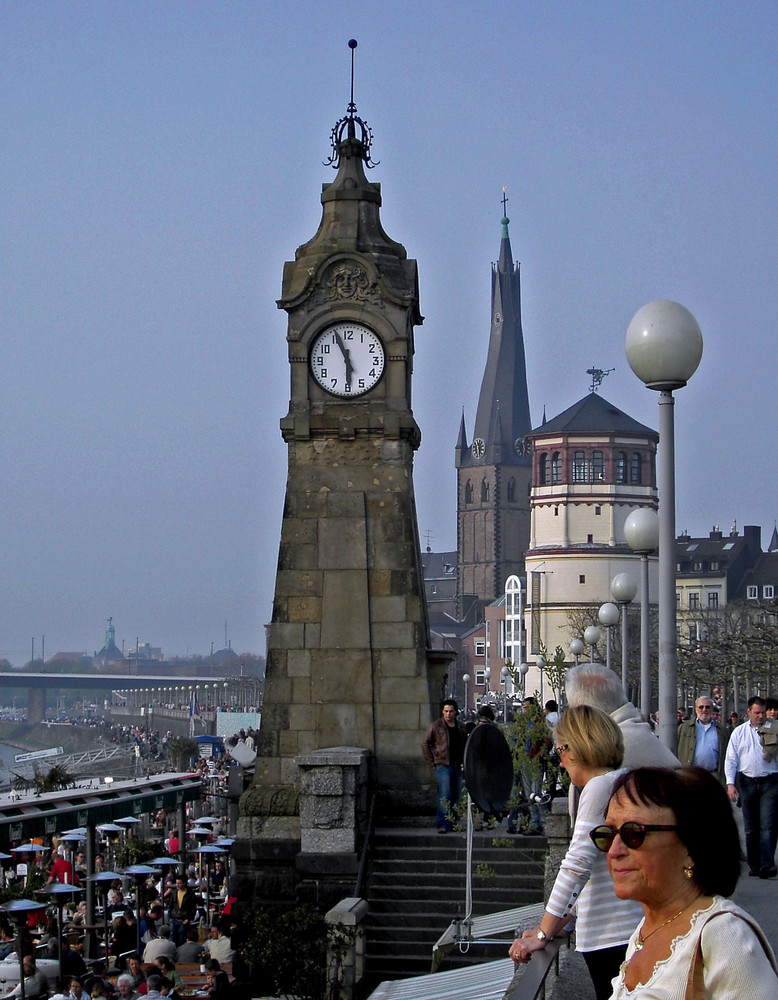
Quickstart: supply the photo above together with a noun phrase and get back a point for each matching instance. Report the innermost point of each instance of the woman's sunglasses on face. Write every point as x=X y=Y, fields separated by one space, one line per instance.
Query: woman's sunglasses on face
x=632 y=834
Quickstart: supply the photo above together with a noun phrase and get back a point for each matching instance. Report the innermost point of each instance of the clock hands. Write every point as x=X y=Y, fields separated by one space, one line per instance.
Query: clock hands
x=346 y=357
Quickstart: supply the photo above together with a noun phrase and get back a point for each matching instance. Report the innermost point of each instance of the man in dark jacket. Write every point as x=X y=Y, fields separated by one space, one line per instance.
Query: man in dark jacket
x=443 y=748
x=702 y=741
x=182 y=909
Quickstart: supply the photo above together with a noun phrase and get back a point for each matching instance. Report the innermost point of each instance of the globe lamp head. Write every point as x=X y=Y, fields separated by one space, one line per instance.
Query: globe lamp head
x=663 y=345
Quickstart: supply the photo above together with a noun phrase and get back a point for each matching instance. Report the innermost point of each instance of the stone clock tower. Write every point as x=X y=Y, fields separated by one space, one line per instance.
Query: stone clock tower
x=348 y=662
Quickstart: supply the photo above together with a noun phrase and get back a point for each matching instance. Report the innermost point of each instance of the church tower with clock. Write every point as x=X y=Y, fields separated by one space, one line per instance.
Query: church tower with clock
x=348 y=662
x=494 y=470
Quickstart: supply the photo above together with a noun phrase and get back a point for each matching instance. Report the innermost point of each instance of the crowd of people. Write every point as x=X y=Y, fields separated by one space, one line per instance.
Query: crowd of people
x=655 y=850
x=167 y=924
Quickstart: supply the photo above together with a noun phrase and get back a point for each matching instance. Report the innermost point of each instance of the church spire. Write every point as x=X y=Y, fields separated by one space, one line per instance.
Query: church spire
x=503 y=416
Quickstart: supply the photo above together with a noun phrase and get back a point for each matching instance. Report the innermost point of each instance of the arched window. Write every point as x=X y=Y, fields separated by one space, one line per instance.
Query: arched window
x=545 y=469
x=556 y=468
x=468 y=492
x=621 y=467
x=484 y=491
x=598 y=467
x=511 y=490
x=635 y=469
x=579 y=467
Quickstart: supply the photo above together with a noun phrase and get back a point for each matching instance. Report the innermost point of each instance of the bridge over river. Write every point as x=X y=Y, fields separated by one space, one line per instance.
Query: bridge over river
x=38 y=684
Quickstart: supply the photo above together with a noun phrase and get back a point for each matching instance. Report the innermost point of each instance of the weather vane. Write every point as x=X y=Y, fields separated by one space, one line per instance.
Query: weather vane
x=598 y=374
x=346 y=127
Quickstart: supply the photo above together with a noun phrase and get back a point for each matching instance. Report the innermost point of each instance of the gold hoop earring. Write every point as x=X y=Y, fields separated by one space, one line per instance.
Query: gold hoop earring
x=688 y=871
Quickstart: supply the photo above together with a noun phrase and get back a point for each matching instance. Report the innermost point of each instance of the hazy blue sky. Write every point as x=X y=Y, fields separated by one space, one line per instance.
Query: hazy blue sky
x=160 y=162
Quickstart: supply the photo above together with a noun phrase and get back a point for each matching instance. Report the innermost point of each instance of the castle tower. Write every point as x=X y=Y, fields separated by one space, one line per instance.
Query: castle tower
x=348 y=663
x=493 y=472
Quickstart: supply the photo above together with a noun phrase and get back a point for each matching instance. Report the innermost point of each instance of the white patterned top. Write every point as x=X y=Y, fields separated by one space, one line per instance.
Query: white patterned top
x=735 y=963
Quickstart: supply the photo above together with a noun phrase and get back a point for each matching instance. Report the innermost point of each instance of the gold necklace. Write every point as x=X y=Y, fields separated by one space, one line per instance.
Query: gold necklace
x=642 y=940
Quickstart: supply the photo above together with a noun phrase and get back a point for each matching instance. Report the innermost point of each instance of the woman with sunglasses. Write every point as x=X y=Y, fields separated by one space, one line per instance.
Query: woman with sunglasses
x=672 y=845
x=590 y=747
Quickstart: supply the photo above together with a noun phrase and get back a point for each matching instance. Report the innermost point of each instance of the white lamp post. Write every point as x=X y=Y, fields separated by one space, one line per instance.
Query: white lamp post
x=487 y=678
x=576 y=648
x=504 y=675
x=540 y=663
x=466 y=681
x=664 y=348
x=641 y=529
x=591 y=638
x=523 y=670
x=624 y=589
x=609 y=616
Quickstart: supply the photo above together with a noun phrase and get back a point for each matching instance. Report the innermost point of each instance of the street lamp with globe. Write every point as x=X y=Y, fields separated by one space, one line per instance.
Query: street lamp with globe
x=624 y=589
x=664 y=348
x=641 y=530
x=591 y=638
x=466 y=681
x=576 y=648
x=609 y=616
x=523 y=671
x=504 y=675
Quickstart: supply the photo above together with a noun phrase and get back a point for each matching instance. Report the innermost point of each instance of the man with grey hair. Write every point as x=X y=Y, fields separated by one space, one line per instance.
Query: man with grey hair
x=702 y=740
x=154 y=983
x=596 y=685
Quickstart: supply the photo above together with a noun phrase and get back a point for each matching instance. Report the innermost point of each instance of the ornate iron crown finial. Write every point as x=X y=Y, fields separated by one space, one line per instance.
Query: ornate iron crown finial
x=346 y=127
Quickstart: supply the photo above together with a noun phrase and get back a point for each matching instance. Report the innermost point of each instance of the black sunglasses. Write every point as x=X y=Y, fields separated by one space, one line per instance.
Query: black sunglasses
x=632 y=834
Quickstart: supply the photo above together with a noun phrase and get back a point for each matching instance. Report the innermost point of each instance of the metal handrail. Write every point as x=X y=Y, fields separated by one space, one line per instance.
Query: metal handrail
x=529 y=985
x=365 y=850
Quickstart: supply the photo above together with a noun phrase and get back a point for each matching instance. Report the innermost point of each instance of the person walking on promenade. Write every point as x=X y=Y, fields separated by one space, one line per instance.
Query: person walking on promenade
x=702 y=741
x=754 y=780
x=443 y=748
x=597 y=685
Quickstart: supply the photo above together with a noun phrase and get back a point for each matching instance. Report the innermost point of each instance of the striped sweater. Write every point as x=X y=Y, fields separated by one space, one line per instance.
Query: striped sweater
x=584 y=883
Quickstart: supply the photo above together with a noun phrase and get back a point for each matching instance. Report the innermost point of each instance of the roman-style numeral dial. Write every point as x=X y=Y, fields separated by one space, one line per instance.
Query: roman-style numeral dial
x=347 y=359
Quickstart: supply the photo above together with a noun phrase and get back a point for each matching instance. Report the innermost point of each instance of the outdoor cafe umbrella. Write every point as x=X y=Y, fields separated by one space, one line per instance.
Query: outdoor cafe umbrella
x=226 y=844
x=59 y=890
x=103 y=880
x=138 y=873
x=30 y=848
x=18 y=909
x=73 y=837
x=208 y=850
x=112 y=830
x=164 y=863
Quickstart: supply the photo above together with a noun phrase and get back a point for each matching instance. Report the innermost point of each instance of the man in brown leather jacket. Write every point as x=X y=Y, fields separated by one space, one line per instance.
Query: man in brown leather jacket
x=443 y=747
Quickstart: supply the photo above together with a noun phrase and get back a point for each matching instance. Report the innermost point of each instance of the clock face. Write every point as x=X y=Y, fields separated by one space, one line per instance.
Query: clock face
x=478 y=448
x=347 y=359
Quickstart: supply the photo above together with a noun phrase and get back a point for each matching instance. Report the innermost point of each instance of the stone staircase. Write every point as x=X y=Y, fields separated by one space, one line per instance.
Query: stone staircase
x=417 y=887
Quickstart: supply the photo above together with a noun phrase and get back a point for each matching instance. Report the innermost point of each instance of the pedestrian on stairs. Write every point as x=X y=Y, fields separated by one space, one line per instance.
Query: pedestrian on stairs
x=443 y=748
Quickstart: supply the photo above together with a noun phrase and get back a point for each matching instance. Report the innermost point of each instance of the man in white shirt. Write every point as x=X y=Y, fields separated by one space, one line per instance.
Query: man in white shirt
x=757 y=786
x=219 y=946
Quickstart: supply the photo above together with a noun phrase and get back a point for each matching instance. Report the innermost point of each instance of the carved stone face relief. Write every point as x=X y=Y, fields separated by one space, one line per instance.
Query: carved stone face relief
x=346 y=280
